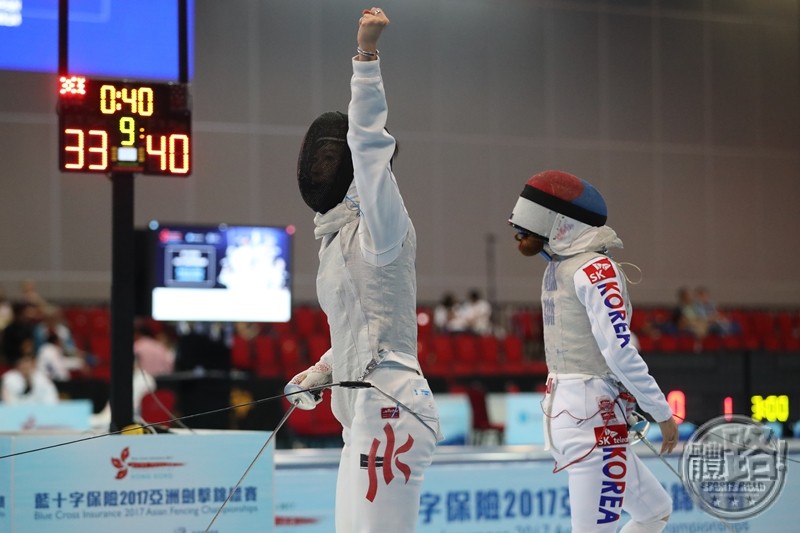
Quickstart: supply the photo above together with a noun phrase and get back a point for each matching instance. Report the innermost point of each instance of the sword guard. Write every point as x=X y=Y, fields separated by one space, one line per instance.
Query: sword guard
x=302 y=398
x=638 y=426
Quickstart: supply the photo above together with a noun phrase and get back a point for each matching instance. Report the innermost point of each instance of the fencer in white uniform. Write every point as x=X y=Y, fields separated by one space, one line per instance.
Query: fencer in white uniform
x=596 y=374
x=366 y=284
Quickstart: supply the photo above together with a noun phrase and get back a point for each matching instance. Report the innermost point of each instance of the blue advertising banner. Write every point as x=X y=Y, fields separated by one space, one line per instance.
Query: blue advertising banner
x=169 y=482
x=482 y=493
x=64 y=415
x=5 y=486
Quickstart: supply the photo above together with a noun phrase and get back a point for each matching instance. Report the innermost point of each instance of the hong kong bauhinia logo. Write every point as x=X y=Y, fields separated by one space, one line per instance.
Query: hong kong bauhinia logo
x=390 y=459
x=122 y=464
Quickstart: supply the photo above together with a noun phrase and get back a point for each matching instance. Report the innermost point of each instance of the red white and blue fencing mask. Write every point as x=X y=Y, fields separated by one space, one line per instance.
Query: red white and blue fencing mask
x=552 y=193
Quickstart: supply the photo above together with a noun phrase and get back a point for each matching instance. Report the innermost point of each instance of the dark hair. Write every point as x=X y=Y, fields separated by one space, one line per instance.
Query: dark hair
x=14 y=336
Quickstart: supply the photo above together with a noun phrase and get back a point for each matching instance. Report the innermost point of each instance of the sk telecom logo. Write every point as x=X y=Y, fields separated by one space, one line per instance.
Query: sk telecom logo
x=372 y=461
x=599 y=271
x=122 y=464
x=613 y=435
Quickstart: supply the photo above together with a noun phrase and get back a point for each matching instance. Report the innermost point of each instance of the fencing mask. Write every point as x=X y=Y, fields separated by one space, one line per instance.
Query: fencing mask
x=550 y=193
x=325 y=166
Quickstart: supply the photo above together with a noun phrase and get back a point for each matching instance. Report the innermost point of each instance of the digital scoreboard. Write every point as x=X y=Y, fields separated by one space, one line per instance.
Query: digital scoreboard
x=107 y=126
x=700 y=386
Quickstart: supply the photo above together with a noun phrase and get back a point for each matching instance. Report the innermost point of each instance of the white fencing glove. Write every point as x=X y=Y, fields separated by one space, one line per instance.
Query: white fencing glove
x=297 y=389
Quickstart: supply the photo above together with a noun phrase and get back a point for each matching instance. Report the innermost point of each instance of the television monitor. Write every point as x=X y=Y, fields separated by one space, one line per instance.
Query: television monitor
x=132 y=39
x=219 y=273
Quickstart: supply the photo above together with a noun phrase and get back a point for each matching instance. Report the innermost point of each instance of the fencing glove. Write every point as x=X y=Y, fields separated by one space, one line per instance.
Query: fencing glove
x=297 y=388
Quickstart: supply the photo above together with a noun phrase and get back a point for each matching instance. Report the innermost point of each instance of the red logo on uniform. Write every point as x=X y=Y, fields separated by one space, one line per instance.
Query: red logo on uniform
x=391 y=457
x=390 y=412
x=612 y=435
x=600 y=270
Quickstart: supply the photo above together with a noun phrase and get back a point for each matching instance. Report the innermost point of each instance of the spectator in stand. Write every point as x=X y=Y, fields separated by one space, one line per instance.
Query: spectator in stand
x=684 y=320
x=31 y=296
x=52 y=361
x=706 y=311
x=152 y=354
x=447 y=315
x=53 y=323
x=476 y=313
x=24 y=383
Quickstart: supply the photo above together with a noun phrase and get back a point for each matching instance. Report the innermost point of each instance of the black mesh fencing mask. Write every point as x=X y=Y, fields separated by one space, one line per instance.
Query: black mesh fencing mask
x=325 y=166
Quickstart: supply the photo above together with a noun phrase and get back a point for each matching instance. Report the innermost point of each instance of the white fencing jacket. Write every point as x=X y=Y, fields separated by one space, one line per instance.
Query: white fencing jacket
x=366 y=282
x=587 y=313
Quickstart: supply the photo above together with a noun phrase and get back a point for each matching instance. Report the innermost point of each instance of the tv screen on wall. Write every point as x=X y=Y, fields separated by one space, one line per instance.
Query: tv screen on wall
x=130 y=39
x=219 y=273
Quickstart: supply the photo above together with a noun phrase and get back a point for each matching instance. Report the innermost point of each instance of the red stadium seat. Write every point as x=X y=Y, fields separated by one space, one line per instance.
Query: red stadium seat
x=268 y=364
x=100 y=346
x=305 y=321
x=318 y=423
x=241 y=354
x=515 y=362
x=100 y=321
x=78 y=322
x=291 y=357
x=323 y=328
x=527 y=324
x=467 y=355
x=158 y=407
x=424 y=323
x=439 y=356
x=482 y=427
x=646 y=344
x=317 y=346
x=490 y=361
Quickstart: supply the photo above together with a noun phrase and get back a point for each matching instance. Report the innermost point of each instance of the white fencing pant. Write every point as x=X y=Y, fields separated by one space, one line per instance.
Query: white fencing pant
x=588 y=437
x=385 y=454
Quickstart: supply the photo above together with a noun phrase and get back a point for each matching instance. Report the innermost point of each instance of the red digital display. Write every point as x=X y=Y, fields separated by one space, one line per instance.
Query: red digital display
x=117 y=126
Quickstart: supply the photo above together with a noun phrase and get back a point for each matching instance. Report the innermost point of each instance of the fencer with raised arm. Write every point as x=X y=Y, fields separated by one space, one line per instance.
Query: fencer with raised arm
x=366 y=284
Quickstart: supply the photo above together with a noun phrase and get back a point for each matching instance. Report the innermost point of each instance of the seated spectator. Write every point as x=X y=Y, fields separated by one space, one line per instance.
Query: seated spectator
x=24 y=383
x=52 y=361
x=152 y=354
x=684 y=320
x=476 y=314
x=30 y=295
x=447 y=315
x=53 y=325
x=715 y=322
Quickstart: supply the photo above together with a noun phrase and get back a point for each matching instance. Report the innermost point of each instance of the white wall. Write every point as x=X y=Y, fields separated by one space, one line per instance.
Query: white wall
x=685 y=114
